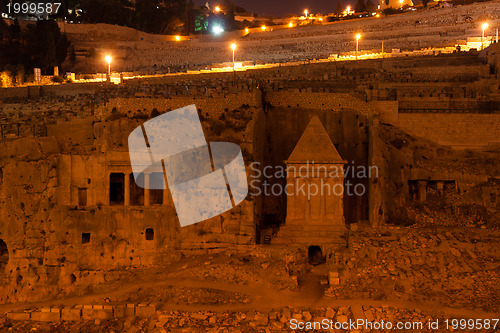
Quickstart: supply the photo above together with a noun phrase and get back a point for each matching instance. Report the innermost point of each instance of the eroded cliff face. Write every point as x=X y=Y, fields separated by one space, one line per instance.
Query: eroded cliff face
x=424 y=183
x=28 y=188
x=62 y=234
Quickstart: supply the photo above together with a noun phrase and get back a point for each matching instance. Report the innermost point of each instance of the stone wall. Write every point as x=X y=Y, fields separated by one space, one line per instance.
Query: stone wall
x=458 y=130
x=212 y=106
x=67 y=89
x=319 y=101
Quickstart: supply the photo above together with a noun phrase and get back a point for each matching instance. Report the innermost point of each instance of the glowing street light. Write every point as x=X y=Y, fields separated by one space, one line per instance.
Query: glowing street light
x=263 y=28
x=217 y=9
x=401 y=3
x=233 y=47
x=108 y=60
x=484 y=27
x=247 y=31
x=290 y=25
x=358 y=36
x=178 y=38
x=217 y=29
x=306 y=12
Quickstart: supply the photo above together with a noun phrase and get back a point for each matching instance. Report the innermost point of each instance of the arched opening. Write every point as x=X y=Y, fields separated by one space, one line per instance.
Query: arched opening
x=315 y=255
x=4 y=256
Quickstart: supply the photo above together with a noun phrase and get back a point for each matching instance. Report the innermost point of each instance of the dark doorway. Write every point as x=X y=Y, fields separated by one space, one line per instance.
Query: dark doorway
x=156 y=196
x=150 y=234
x=315 y=255
x=85 y=237
x=4 y=256
x=116 y=189
x=136 y=192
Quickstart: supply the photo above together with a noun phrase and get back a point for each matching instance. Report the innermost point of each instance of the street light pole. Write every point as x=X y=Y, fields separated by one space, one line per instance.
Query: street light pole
x=108 y=60
x=484 y=26
x=358 y=36
x=233 y=47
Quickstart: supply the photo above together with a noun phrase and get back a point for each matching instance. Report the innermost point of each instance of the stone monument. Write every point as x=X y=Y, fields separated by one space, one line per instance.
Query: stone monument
x=315 y=214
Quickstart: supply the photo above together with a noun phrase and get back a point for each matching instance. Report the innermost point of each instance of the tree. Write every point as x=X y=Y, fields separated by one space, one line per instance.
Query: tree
x=15 y=29
x=370 y=6
x=360 y=6
x=45 y=46
x=72 y=54
x=339 y=9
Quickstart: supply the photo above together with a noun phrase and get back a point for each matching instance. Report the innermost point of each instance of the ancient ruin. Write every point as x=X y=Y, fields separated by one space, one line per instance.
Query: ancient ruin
x=413 y=141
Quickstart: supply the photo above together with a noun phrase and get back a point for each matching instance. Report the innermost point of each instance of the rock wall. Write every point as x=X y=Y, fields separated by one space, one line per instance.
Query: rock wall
x=457 y=130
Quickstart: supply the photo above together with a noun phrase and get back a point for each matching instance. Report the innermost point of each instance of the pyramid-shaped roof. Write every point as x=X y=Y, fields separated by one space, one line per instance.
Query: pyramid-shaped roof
x=315 y=146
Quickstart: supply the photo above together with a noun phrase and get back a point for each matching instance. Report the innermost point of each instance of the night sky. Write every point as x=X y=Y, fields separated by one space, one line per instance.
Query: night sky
x=284 y=7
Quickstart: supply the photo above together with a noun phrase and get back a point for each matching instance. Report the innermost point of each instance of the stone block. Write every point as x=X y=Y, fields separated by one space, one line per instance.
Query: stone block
x=162 y=320
x=130 y=310
x=342 y=319
x=261 y=319
x=198 y=316
x=71 y=314
x=100 y=314
x=357 y=312
x=45 y=316
x=104 y=314
x=18 y=315
x=87 y=313
x=145 y=311
x=119 y=311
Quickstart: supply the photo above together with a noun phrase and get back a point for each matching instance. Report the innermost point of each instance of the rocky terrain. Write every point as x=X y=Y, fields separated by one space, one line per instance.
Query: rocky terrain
x=136 y=51
x=395 y=274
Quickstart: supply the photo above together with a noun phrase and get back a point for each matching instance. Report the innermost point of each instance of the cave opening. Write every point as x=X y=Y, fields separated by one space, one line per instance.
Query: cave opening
x=4 y=255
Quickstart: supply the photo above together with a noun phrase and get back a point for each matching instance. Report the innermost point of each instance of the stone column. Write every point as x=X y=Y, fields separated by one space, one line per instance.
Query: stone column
x=440 y=187
x=291 y=197
x=422 y=190
x=126 y=189
x=146 y=189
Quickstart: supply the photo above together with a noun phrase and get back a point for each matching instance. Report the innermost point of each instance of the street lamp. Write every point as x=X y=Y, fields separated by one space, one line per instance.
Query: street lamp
x=233 y=47
x=306 y=12
x=290 y=25
x=401 y=2
x=217 y=9
x=484 y=27
x=358 y=36
x=263 y=28
x=108 y=60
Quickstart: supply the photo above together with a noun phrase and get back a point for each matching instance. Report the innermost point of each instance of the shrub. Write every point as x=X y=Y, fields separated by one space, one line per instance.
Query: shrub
x=57 y=79
x=6 y=78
